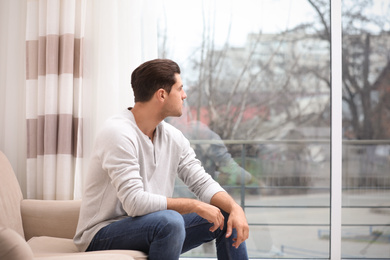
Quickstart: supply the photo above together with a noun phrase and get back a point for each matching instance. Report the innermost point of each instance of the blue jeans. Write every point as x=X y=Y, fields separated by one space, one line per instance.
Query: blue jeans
x=165 y=235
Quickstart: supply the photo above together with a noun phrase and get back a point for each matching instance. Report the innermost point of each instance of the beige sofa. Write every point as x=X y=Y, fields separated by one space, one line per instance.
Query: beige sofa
x=47 y=226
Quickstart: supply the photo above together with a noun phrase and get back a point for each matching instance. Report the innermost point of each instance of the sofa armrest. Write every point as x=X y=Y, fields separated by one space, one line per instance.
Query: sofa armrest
x=54 y=218
x=13 y=246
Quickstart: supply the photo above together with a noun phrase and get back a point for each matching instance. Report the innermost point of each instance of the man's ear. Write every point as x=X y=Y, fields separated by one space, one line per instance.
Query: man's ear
x=161 y=94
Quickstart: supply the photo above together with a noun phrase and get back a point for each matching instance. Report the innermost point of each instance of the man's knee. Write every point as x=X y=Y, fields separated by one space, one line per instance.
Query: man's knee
x=172 y=222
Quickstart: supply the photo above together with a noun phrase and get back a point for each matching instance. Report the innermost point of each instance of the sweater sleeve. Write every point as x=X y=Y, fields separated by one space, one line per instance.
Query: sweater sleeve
x=194 y=176
x=119 y=159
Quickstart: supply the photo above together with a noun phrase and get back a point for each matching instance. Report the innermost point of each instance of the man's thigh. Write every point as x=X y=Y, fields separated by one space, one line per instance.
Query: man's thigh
x=132 y=233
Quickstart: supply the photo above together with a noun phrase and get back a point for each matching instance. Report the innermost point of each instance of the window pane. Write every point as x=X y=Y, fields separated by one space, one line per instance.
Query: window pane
x=366 y=117
x=257 y=77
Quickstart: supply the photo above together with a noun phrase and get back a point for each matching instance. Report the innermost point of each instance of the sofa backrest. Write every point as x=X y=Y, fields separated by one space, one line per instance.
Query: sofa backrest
x=10 y=197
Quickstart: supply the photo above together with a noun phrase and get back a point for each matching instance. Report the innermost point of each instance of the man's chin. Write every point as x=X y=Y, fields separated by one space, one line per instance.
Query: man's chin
x=176 y=115
x=179 y=114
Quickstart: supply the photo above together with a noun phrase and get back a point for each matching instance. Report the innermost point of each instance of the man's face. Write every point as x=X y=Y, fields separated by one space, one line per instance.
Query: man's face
x=174 y=102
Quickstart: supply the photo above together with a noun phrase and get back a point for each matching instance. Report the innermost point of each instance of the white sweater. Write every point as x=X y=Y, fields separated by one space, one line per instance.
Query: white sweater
x=131 y=176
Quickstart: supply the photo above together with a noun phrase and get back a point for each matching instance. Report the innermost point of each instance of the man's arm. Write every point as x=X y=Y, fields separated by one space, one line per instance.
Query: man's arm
x=211 y=212
x=206 y=211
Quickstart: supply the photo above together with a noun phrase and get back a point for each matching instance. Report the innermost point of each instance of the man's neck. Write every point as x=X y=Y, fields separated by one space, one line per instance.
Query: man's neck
x=146 y=118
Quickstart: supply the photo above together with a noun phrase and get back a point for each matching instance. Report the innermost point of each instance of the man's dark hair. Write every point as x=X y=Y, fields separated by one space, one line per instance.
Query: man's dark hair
x=152 y=75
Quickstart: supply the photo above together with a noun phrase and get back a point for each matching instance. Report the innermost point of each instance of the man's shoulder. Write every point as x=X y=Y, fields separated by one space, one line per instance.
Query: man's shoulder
x=173 y=134
x=118 y=125
x=170 y=130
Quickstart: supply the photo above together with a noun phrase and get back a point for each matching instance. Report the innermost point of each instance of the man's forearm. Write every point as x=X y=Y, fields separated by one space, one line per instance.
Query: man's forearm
x=182 y=205
x=223 y=201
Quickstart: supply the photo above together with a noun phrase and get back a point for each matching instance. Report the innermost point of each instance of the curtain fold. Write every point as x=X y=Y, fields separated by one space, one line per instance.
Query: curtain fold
x=54 y=47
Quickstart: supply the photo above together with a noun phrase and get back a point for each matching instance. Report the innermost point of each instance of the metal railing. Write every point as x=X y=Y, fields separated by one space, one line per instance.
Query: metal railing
x=354 y=157
x=346 y=143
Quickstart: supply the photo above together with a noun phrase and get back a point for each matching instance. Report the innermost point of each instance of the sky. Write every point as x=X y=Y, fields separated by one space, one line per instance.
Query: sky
x=185 y=22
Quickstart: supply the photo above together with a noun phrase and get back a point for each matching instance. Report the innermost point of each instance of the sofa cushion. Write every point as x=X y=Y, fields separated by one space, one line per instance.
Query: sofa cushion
x=45 y=246
x=13 y=246
x=87 y=256
x=51 y=245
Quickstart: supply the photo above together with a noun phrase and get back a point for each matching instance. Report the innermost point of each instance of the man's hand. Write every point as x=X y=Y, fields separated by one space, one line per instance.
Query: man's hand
x=212 y=214
x=236 y=219
x=209 y=212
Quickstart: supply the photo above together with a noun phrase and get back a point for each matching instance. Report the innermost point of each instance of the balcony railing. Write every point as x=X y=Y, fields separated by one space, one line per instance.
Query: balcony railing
x=286 y=181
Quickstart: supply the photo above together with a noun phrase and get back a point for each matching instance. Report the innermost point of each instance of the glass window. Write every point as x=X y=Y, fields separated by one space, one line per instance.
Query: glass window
x=257 y=76
x=366 y=129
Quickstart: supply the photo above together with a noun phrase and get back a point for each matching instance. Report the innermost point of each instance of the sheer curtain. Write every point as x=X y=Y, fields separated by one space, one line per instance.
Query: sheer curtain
x=118 y=35
x=12 y=82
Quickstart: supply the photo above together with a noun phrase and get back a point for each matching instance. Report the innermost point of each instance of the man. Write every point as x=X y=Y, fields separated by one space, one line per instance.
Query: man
x=127 y=202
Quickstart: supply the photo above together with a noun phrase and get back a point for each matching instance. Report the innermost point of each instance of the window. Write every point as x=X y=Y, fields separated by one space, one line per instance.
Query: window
x=366 y=152
x=258 y=78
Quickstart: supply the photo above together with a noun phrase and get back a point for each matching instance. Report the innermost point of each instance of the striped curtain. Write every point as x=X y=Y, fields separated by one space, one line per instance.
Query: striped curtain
x=54 y=51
